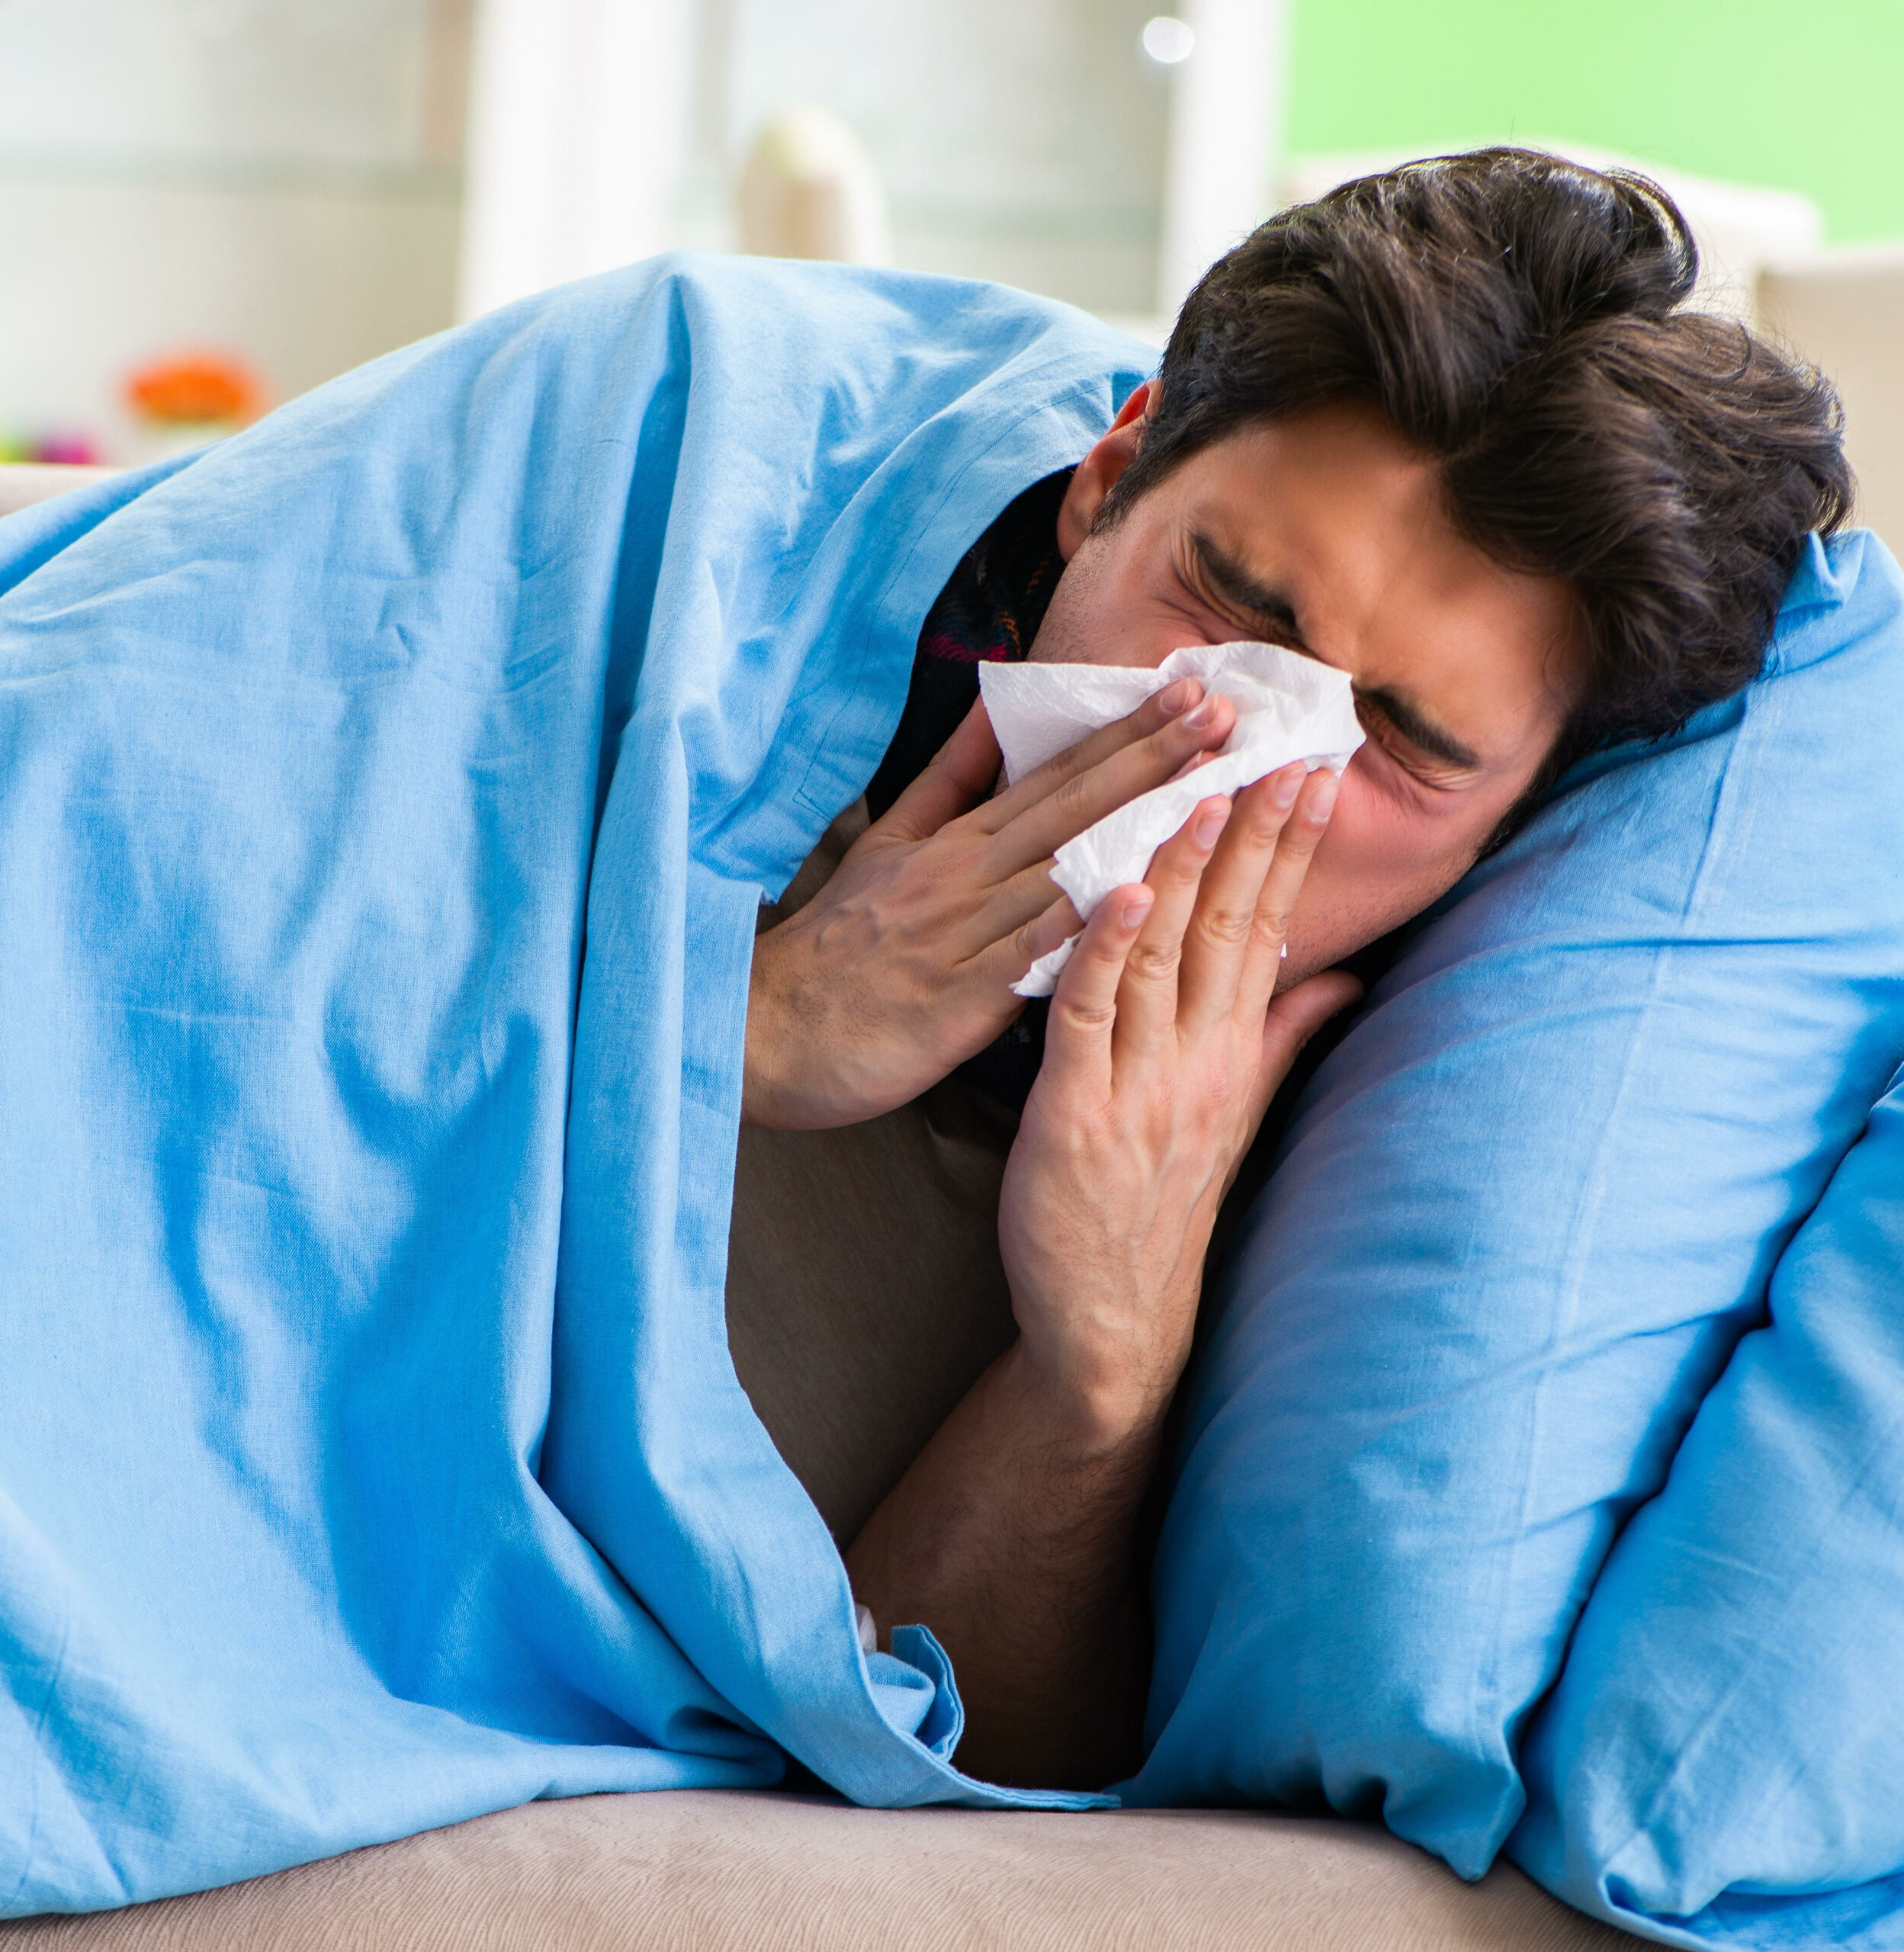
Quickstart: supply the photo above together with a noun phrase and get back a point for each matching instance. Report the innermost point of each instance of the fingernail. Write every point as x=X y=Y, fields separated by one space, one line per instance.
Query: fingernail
x=1202 y=715
x=1209 y=824
x=1322 y=801
x=1286 y=784
x=1173 y=698
x=1134 y=910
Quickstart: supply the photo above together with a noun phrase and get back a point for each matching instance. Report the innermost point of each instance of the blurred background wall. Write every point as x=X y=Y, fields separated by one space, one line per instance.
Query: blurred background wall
x=281 y=178
x=1021 y=140
x=301 y=184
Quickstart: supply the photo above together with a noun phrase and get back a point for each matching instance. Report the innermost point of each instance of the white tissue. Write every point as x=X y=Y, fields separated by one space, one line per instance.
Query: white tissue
x=1288 y=707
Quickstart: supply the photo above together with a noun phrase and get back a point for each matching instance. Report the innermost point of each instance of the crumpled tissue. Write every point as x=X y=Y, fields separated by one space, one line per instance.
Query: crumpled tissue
x=1288 y=707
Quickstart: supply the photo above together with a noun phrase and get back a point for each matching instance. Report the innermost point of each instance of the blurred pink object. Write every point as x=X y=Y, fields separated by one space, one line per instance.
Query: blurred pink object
x=67 y=450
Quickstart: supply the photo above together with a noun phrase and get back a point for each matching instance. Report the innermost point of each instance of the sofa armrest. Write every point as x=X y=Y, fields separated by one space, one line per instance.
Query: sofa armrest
x=23 y=482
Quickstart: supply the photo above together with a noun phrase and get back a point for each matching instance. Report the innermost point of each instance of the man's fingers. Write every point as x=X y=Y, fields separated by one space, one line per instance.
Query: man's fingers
x=1148 y=1004
x=1049 y=806
x=1216 y=947
x=1077 y=1034
x=958 y=775
x=1157 y=710
x=1010 y=906
x=1296 y=847
x=1040 y=929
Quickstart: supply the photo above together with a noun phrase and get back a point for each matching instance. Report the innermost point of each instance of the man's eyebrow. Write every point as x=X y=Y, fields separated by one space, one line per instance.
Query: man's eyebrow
x=1419 y=730
x=1233 y=582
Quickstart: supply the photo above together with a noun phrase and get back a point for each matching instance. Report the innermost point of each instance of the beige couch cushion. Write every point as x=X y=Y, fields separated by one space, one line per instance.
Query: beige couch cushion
x=736 y=1870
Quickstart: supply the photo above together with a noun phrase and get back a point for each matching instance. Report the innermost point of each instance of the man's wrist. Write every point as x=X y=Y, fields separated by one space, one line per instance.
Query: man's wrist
x=1088 y=1417
x=761 y=1084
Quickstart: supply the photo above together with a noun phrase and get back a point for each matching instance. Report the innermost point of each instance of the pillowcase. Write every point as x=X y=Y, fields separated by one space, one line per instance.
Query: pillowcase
x=1521 y=1216
x=1719 y=1764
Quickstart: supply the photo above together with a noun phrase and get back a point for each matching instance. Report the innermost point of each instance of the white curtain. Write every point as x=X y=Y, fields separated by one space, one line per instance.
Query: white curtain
x=577 y=127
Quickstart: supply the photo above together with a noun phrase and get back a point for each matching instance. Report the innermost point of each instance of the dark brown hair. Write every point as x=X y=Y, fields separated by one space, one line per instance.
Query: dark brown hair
x=1524 y=321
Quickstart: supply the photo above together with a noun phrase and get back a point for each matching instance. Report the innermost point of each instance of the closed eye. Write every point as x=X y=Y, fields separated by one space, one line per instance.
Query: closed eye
x=1444 y=770
x=1427 y=752
x=1224 y=587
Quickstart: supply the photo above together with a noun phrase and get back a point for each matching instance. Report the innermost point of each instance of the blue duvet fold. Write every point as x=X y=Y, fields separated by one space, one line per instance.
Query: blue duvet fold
x=385 y=797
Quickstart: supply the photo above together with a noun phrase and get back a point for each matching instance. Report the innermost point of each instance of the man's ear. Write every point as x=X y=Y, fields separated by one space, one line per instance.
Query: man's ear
x=1098 y=472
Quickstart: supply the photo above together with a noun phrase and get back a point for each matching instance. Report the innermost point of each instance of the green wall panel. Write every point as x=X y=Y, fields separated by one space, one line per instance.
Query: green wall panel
x=1807 y=98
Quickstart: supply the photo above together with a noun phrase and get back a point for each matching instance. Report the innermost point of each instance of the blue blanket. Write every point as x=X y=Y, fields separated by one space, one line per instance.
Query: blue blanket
x=385 y=797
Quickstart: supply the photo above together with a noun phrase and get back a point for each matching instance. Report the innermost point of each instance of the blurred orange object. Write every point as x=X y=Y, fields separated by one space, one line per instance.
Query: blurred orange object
x=196 y=390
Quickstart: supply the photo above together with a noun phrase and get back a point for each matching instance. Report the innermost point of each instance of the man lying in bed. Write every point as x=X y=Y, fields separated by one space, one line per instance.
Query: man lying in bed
x=388 y=797
x=1454 y=431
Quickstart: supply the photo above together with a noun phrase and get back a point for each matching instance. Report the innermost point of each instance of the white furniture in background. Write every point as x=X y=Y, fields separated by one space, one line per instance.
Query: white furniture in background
x=1844 y=311
x=809 y=190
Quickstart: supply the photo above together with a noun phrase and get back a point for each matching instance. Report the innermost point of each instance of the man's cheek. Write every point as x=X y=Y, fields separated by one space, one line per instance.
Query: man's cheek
x=1382 y=835
x=1373 y=870
x=1337 y=912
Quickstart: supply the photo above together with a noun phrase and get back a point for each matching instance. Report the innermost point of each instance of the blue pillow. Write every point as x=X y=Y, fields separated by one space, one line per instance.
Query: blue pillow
x=1720 y=1763
x=1522 y=1217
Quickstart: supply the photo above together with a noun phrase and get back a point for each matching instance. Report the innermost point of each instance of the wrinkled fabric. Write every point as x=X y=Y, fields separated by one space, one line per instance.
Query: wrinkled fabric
x=386 y=798
x=1522 y=1218
x=1720 y=1764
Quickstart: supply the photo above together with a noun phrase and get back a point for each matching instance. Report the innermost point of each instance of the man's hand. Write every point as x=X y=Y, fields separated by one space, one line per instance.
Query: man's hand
x=1166 y=1042
x=901 y=967
x=1011 y=1536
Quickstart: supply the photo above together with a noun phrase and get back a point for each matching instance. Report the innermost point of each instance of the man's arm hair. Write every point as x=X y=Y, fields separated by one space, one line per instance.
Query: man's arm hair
x=1012 y=1537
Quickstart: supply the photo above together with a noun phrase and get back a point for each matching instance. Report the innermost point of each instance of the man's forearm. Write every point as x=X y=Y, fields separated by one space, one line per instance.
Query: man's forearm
x=1011 y=1538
